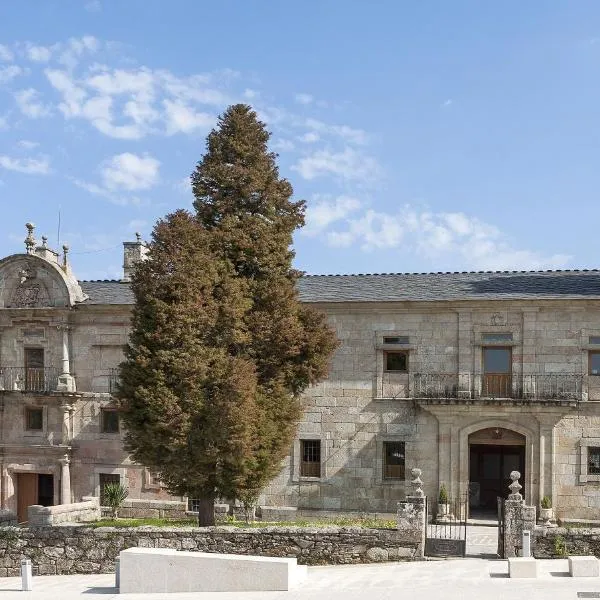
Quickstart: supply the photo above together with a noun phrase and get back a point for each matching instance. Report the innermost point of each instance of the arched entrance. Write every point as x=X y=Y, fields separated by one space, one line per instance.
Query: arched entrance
x=493 y=453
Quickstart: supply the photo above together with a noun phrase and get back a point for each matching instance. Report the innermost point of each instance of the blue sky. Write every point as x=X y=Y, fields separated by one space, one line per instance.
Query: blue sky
x=425 y=136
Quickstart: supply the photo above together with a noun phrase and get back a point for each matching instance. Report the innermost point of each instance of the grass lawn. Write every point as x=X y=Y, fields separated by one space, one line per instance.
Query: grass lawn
x=365 y=522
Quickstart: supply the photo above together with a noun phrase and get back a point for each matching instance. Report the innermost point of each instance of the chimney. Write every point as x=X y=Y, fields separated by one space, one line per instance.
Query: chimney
x=133 y=252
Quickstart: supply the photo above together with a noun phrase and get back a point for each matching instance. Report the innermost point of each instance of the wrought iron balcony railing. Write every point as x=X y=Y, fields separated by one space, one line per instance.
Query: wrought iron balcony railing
x=542 y=386
x=113 y=380
x=29 y=379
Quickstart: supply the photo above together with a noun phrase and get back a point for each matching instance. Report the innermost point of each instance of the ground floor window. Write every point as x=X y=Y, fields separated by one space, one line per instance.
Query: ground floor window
x=593 y=460
x=393 y=460
x=310 y=464
x=106 y=479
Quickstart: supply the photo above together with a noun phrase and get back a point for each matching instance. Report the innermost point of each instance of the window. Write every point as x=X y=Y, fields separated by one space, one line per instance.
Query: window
x=110 y=420
x=594 y=340
x=396 y=362
x=106 y=479
x=492 y=338
x=34 y=370
x=393 y=460
x=34 y=419
x=594 y=362
x=310 y=465
x=396 y=340
x=593 y=460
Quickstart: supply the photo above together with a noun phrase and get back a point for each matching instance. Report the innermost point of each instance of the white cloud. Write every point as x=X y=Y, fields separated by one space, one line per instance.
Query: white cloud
x=282 y=145
x=184 y=185
x=3 y=123
x=322 y=211
x=304 y=98
x=447 y=102
x=29 y=166
x=75 y=48
x=39 y=53
x=251 y=94
x=29 y=104
x=310 y=138
x=465 y=240
x=93 y=6
x=348 y=164
x=348 y=134
x=6 y=54
x=9 y=73
x=181 y=118
x=27 y=144
x=130 y=172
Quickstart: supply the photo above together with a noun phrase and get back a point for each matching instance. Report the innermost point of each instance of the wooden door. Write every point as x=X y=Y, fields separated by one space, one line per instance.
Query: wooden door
x=27 y=494
x=34 y=370
x=497 y=372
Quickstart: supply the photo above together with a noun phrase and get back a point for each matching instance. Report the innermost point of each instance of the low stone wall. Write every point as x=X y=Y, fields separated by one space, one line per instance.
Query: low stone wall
x=553 y=542
x=78 y=512
x=67 y=550
x=160 y=509
x=7 y=518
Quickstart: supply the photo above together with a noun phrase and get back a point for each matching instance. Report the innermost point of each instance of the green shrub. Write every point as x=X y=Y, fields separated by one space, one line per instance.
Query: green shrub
x=560 y=546
x=443 y=497
x=546 y=502
x=114 y=496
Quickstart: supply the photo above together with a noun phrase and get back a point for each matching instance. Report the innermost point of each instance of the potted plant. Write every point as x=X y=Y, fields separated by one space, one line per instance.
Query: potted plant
x=443 y=506
x=546 y=510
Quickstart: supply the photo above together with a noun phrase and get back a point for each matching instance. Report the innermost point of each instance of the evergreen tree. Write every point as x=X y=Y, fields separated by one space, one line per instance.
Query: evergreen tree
x=221 y=348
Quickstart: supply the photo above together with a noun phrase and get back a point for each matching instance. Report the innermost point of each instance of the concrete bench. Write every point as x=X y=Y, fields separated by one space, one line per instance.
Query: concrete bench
x=521 y=567
x=584 y=566
x=153 y=570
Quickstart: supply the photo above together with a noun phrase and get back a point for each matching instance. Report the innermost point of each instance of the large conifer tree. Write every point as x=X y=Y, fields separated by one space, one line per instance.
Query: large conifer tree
x=221 y=349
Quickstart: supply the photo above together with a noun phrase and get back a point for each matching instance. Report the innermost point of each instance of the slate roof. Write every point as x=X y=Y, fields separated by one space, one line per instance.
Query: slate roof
x=390 y=287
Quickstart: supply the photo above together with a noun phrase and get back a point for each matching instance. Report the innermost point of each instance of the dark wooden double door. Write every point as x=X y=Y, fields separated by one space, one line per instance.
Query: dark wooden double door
x=33 y=488
x=489 y=473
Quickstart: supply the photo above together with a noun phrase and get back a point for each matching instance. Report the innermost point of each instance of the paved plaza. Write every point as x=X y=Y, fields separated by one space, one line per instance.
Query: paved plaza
x=455 y=579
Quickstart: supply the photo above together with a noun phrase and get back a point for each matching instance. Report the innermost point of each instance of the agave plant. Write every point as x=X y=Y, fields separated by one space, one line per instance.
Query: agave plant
x=114 y=496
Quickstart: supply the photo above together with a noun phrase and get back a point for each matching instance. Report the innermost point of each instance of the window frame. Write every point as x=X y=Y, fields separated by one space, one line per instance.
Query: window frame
x=584 y=445
x=302 y=462
x=104 y=411
x=404 y=353
x=30 y=410
x=590 y=354
x=385 y=465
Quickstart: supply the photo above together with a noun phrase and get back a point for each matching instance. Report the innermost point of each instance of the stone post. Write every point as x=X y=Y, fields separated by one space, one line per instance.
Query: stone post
x=66 y=424
x=65 y=480
x=517 y=518
x=412 y=517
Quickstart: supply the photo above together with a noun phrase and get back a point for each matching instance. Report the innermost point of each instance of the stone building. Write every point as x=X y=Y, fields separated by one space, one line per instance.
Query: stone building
x=466 y=375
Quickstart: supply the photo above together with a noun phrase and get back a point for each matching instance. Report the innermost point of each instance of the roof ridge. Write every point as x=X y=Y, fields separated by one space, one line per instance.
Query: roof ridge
x=539 y=271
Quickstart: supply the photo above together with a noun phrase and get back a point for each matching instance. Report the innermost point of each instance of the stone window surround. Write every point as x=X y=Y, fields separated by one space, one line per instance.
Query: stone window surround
x=380 y=351
x=584 y=444
x=104 y=409
x=35 y=432
x=108 y=471
x=149 y=481
x=390 y=437
x=296 y=458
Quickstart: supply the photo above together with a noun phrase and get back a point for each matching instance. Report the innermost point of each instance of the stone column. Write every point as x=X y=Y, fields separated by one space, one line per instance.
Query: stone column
x=65 y=480
x=445 y=457
x=66 y=436
x=465 y=354
x=547 y=450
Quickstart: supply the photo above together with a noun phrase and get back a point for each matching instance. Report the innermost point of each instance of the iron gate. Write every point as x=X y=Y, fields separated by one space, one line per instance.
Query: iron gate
x=500 y=527
x=446 y=528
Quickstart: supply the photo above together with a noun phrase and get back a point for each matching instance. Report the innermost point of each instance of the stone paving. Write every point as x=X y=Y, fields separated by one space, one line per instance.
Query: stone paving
x=458 y=579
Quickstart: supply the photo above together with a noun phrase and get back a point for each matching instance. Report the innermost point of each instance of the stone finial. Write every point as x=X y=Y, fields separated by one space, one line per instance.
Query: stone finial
x=44 y=241
x=515 y=487
x=65 y=252
x=30 y=240
x=417 y=483
x=138 y=237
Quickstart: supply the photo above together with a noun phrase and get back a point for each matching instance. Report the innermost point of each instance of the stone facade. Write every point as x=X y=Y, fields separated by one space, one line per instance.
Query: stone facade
x=440 y=407
x=68 y=550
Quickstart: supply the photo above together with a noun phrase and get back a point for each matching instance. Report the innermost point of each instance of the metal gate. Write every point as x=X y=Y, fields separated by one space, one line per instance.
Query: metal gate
x=446 y=528
x=500 y=527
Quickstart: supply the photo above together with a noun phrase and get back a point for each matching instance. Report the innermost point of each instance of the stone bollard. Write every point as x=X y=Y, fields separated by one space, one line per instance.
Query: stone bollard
x=117 y=573
x=26 y=577
x=526 y=547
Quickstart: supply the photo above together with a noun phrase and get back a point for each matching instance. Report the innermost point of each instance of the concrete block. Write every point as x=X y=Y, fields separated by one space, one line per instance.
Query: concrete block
x=521 y=567
x=162 y=570
x=584 y=566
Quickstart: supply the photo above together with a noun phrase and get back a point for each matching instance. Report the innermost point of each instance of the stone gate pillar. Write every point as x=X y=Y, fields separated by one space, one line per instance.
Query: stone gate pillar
x=412 y=515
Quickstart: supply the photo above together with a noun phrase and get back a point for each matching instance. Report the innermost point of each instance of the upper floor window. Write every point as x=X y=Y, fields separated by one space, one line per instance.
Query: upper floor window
x=109 y=420
x=593 y=460
x=34 y=370
x=594 y=340
x=396 y=362
x=34 y=419
x=395 y=340
x=594 y=362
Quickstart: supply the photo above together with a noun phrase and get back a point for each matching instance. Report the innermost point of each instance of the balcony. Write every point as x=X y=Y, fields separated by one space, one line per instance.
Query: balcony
x=569 y=387
x=21 y=379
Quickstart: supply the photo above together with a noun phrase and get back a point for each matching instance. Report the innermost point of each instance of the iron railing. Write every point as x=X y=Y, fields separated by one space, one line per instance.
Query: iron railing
x=540 y=386
x=29 y=379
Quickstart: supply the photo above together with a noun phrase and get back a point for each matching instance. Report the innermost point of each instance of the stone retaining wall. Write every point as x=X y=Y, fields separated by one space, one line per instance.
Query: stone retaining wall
x=68 y=550
x=78 y=512
x=575 y=541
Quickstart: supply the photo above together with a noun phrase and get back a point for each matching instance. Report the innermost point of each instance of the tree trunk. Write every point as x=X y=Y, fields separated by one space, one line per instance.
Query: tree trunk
x=206 y=512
